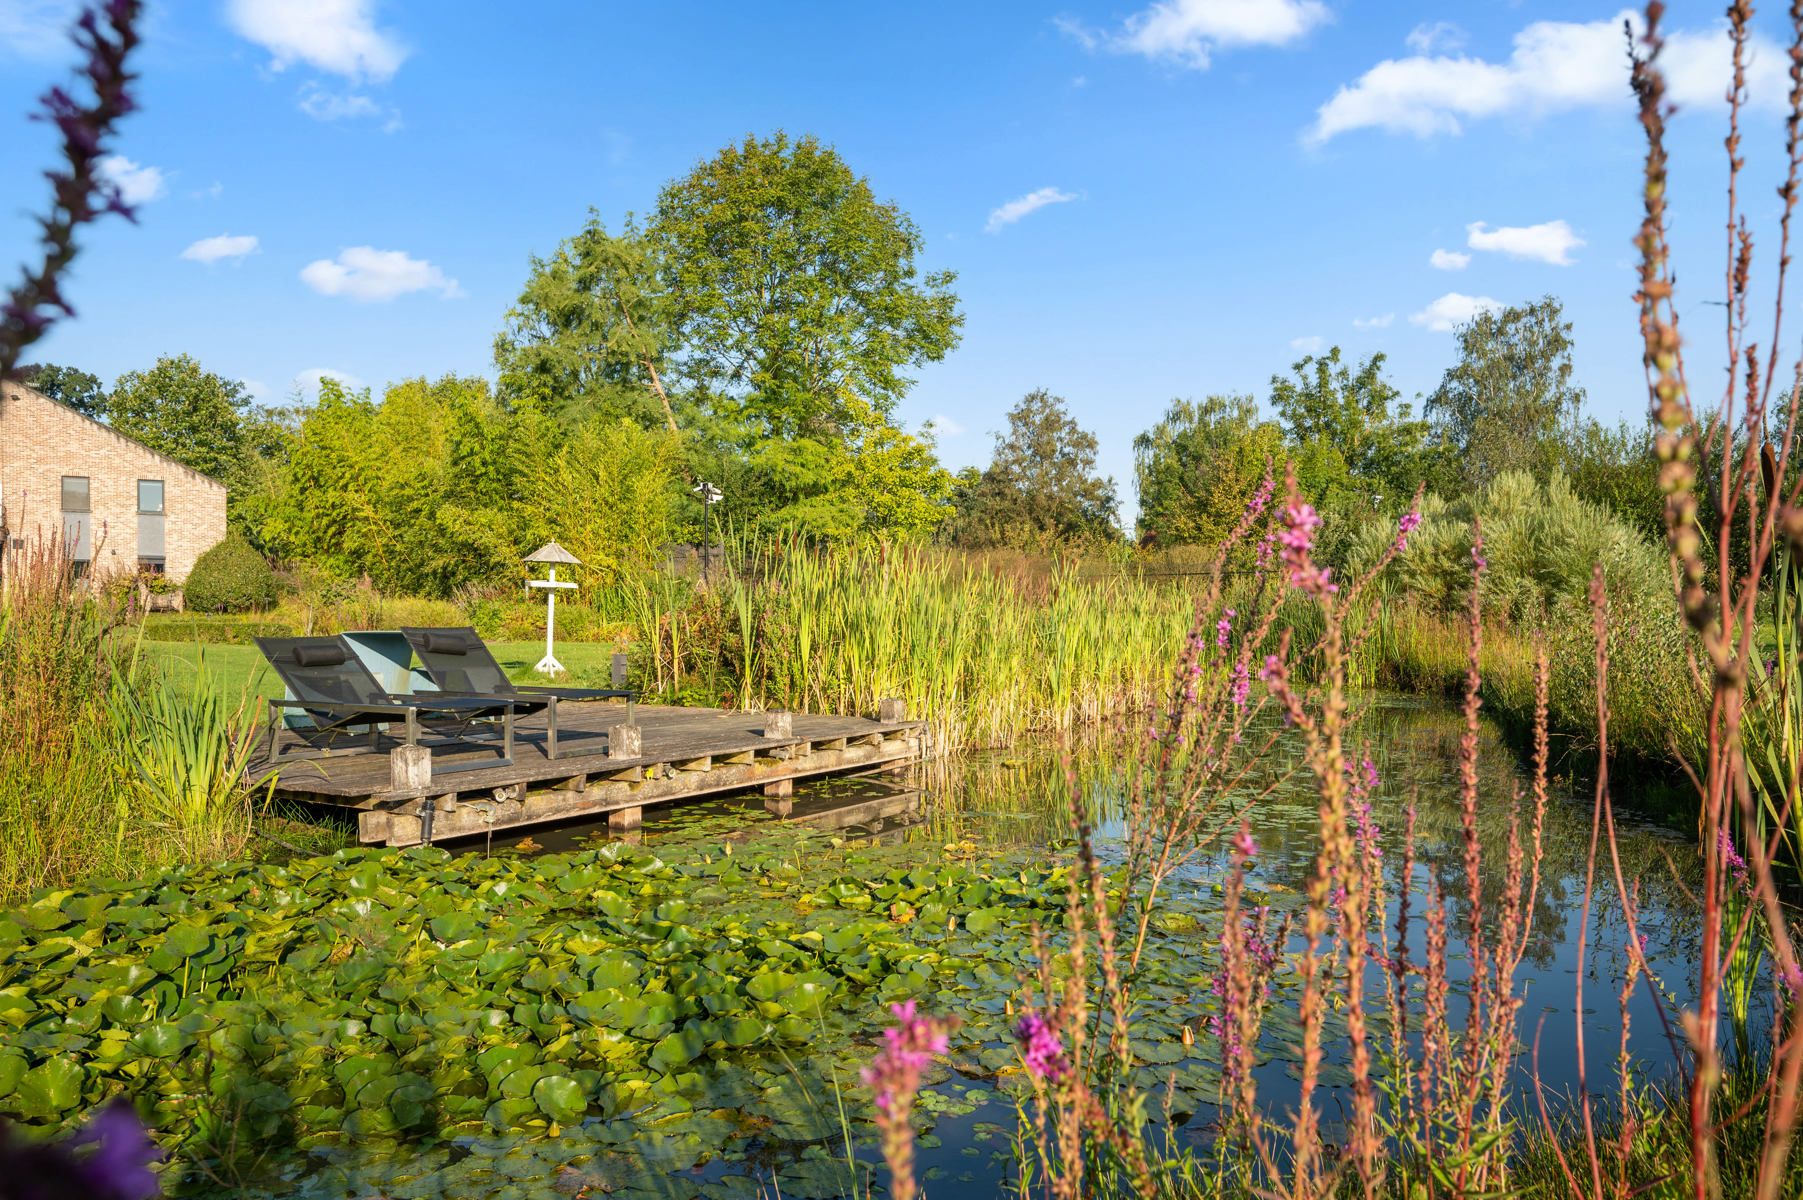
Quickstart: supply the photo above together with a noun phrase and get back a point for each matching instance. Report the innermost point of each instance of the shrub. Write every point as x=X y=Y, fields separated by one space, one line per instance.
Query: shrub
x=231 y=577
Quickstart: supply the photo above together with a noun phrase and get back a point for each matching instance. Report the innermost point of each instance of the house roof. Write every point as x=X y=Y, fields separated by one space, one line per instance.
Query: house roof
x=12 y=389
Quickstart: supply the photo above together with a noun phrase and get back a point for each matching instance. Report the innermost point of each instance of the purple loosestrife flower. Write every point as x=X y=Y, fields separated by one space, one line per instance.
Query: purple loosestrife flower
x=1223 y=629
x=1041 y=1048
x=1736 y=863
x=1478 y=561
x=1244 y=844
x=1242 y=684
x=116 y=1168
x=893 y=1078
x=1263 y=555
x=1300 y=520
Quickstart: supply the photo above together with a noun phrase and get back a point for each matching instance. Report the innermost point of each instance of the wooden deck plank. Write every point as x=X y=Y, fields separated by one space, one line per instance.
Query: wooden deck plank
x=683 y=752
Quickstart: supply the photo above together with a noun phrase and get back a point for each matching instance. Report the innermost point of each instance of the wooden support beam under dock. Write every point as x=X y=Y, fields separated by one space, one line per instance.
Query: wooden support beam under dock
x=605 y=768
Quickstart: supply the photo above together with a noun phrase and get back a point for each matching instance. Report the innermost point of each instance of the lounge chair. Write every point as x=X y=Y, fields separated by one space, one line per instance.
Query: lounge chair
x=460 y=664
x=332 y=686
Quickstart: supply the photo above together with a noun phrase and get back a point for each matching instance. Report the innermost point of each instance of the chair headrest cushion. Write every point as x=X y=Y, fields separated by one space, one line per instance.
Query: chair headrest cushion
x=447 y=641
x=324 y=654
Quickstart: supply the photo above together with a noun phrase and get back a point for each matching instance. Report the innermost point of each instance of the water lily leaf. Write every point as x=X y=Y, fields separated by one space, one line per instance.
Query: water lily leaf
x=743 y=1031
x=177 y=945
x=677 y=1049
x=455 y=927
x=560 y=1098
x=162 y=1040
x=50 y=1089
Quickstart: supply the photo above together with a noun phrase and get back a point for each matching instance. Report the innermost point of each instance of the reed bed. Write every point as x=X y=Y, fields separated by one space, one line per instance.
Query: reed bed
x=983 y=656
x=107 y=766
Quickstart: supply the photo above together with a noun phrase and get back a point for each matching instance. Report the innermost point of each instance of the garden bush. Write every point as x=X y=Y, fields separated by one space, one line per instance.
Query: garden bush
x=230 y=578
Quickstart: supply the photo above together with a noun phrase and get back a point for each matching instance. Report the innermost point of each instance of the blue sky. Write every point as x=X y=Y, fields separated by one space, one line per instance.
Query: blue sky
x=1141 y=201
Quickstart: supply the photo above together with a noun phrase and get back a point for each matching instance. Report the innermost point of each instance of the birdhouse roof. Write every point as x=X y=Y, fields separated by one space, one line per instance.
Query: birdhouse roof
x=551 y=552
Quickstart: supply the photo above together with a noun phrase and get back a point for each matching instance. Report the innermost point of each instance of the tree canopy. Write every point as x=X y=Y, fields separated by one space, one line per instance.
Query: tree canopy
x=1041 y=487
x=78 y=389
x=1502 y=405
x=179 y=409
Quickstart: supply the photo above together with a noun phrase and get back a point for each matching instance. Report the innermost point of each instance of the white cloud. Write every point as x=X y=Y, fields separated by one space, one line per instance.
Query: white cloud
x=307 y=382
x=1548 y=242
x=1553 y=66
x=365 y=273
x=337 y=36
x=137 y=184
x=1452 y=310
x=1440 y=36
x=1448 y=260
x=1383 y=321
x=36 y=28
x=940 y=425
x=1189 y=32
x=215 y=249
x=1032 y=202
x=1308 y=345
x=323 y=105
x=212 y=192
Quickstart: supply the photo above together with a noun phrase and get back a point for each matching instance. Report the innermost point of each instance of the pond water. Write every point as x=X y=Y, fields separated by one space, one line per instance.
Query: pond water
x=1016 y=803
x=687 y=1016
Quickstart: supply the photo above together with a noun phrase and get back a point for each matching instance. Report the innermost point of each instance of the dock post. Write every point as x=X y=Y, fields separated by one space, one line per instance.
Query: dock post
x=890 y=710
x=622 y=821
x=779 y=797
x=779 y=724
x=626 y=741
x=617 y=670
x=409 y=768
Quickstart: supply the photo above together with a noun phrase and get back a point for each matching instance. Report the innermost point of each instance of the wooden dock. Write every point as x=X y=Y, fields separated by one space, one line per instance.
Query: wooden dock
x=606 y=768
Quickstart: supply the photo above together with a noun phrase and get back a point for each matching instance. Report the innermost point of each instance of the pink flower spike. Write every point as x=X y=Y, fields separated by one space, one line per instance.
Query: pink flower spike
x=1244 y=843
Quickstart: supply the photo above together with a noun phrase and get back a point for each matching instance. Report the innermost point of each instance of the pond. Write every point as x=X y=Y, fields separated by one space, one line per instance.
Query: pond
x=687 y=1015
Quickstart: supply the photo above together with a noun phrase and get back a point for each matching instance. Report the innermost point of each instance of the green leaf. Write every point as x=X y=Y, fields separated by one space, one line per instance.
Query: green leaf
x=677 y=1049
x=560 y=1098
x=50 y=1089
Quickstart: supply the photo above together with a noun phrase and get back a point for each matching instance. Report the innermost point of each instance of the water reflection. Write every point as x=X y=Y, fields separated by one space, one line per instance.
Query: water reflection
x=1020 y=800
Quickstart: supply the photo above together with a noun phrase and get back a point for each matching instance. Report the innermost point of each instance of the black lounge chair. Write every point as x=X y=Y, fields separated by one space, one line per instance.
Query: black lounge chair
x=461 y=664
x=334 y=688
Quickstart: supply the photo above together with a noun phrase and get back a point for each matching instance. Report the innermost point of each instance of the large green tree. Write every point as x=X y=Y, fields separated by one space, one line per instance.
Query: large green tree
x=1508 y=399
x=180 y=409
x=794 y=296
x=1327 y=405
x=1041 y=487
x=1197 y=467
x=73 y=386
x=589 y=335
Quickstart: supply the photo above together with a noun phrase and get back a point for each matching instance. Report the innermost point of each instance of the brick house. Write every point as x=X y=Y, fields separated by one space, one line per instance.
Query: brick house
x=121 y=506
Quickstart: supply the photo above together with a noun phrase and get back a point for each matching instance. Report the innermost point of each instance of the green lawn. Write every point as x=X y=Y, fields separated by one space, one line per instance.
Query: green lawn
x=242 y=669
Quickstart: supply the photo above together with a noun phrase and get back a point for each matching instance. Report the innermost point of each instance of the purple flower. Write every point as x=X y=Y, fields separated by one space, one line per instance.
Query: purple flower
x=1242 y=684
x=1410 y=522
x=1244 y=844
x=908 y=1047
x=1478 y=561
x=1041 y=1048
x=1223 y=628
x=117 y=1168
x=1735 y=862
x=1273 y=669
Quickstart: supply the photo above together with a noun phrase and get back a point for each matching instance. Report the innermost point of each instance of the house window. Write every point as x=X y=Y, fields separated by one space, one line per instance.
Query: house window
x=151 y=542
x=78 y=520
x=152 y=566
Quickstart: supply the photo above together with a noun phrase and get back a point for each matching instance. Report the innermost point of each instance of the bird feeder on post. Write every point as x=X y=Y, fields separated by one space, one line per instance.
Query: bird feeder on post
x=552 y=555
